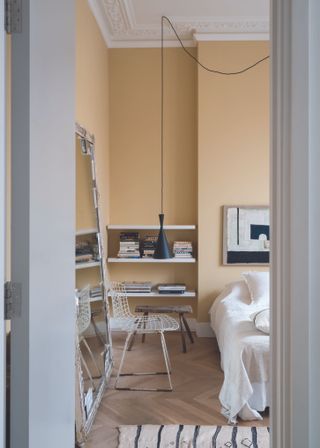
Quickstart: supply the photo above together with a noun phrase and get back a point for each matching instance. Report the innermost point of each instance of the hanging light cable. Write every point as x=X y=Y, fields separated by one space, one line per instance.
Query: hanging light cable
x=162 y=250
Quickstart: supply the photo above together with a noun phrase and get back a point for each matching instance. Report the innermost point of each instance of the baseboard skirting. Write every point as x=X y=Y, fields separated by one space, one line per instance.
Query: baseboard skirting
x=202 y=329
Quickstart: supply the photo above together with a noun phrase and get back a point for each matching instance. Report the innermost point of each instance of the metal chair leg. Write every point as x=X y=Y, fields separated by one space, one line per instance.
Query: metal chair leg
x=166 y=358
x=167 y=354
x=167 y=372
x=97 y=331
x=91 y=356
x=122 y=358
x=88 y=371
x=130 y=345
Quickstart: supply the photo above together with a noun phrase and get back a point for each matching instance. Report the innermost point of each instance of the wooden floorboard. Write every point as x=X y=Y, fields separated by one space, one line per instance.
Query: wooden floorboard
x=197 y=380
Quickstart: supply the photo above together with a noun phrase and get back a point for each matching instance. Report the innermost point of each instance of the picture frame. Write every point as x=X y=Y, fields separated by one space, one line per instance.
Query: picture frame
x=246 y=235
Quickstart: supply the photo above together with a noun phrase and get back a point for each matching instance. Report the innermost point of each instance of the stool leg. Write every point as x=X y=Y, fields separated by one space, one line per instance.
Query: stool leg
x=144 y=326
x=184 y=347
x=187 y=329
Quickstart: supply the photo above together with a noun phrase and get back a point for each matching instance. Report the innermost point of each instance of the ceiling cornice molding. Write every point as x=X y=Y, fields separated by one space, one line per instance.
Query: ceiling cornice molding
x=101 y=19
x=209 y=37
x=120 y=29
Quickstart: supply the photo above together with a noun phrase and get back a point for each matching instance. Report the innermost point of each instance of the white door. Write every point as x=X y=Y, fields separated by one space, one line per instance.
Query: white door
x=42 y=382
x=2 y=226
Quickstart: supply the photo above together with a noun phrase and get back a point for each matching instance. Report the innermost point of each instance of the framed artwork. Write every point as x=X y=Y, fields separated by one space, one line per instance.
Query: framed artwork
x=246 y=235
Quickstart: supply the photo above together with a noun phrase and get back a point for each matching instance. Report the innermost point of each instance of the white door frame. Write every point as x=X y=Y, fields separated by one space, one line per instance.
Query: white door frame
x=2 y=223
x=295 y=218
x=295 y=223
x=43 y=226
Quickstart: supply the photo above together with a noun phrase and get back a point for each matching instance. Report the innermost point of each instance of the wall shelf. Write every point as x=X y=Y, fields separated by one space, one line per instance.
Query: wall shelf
x=150 y=227
x=151 y=260
x=187 y=294
x=90 y=264
x=95 y=299
x=81 y=232
x=154 y=294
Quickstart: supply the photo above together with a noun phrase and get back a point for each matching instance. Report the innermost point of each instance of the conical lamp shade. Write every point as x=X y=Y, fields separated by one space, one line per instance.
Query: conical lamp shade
x=162 y=249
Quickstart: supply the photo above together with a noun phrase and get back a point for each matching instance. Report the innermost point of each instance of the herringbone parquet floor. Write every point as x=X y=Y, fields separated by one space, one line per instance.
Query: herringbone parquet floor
x=197 y=379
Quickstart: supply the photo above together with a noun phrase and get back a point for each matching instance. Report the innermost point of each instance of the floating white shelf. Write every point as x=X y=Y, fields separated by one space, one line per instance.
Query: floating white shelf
x=156 y=294
x=95 y=299
x=151 y=260
x=90 y=264
x=86 y=231
x=150 y=227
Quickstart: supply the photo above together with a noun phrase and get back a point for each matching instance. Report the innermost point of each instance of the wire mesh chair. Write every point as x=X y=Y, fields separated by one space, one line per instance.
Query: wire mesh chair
x=83 y=323
x=136 y=324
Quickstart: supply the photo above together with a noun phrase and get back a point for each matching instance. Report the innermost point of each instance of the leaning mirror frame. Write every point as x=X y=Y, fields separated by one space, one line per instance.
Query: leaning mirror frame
x=85 y=418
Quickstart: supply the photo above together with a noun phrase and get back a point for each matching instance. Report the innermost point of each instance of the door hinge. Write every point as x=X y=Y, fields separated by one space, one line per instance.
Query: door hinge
x=13 y=16
x=12 y=300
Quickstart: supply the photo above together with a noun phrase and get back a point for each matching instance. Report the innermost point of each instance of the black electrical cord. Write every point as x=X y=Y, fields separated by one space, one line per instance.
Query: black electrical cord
x=211 y=70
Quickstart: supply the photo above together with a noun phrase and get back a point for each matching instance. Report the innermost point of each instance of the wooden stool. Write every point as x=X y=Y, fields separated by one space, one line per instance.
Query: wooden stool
x=179 y=309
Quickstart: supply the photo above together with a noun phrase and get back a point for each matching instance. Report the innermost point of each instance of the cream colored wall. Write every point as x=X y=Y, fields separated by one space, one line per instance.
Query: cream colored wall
x=135 y=136
x=92 y=111
x=233 y=152
x=135 y=153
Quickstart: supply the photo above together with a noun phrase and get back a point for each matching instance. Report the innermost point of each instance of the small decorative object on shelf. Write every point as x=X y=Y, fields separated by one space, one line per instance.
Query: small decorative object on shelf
x=162 y=250
x=171 y=288
x=129 y=246
x=182 y=249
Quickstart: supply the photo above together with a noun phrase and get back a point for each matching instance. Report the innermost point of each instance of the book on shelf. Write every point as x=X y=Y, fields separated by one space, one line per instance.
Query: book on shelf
x=137 y=287
x=149 y=246
x=95 y=291
x=86 y=251
x=171 y=288
x=182 y=249
x=129 y=245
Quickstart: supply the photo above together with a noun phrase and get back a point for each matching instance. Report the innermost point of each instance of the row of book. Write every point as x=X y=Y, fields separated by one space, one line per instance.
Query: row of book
x=148 y=287
x=86 y=251
x=137 y=287
x=144 y=288
x=182 y=249
x=130 y=246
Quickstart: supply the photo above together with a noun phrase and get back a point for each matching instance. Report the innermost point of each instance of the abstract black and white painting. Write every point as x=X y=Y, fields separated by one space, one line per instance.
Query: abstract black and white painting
x=246 y=235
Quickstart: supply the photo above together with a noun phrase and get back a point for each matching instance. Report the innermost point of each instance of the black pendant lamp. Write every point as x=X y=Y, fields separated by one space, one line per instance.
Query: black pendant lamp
x=162 y=250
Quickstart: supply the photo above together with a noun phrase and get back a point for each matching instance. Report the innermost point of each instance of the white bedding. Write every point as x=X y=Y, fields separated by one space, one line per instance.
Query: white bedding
x=244 y=354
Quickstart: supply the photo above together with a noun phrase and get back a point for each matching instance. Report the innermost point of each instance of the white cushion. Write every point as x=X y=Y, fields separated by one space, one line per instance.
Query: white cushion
x=239 y=290
x=261 y=320
x=258 y=285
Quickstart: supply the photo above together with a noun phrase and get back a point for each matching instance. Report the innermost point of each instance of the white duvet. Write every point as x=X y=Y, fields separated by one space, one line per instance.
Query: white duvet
x=244 y=354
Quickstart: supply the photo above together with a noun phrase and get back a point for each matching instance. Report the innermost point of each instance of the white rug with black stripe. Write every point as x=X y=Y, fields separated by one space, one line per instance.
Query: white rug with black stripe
x=188 y=436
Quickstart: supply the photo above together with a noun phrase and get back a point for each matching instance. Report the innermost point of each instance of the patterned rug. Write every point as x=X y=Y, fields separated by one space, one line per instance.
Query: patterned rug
x=187 y=436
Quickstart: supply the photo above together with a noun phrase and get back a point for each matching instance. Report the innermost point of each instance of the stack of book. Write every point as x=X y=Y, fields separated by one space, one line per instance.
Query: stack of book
x=149 y=246
x=182 y=249
x=84 y=252
x=95 y=292
x=172 y=288
x=137 y=287
x=129 y=245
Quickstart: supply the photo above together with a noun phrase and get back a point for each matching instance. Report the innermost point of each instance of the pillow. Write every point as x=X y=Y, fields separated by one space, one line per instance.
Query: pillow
x=239 y=290
x=258 y=285
x=261 y=320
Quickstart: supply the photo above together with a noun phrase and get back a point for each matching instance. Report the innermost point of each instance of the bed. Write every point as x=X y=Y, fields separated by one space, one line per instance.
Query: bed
x=244 y=352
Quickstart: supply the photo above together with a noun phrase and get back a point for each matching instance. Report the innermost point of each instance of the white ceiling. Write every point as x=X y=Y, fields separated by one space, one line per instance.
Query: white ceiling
x=136 y=23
